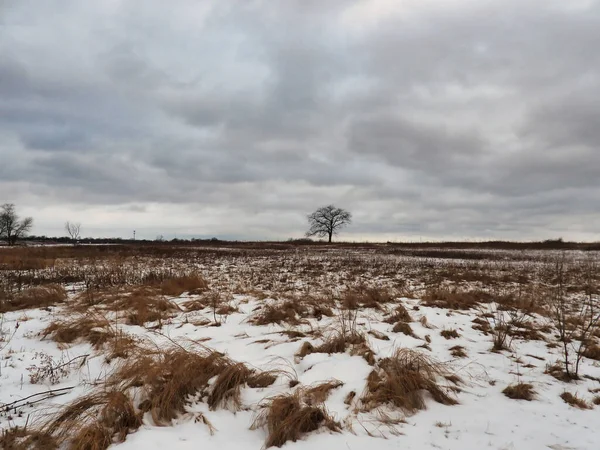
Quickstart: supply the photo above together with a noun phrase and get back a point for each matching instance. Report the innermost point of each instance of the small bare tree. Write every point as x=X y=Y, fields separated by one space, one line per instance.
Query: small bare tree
x=12 y=227
x=327 y=221
x=576 y=319
x=73 y=230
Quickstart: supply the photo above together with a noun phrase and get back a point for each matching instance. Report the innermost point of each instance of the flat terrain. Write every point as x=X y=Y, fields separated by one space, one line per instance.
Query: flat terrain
x=306 y=346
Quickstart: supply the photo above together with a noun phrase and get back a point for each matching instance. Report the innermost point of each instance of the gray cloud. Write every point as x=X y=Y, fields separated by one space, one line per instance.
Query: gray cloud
x=437 y=119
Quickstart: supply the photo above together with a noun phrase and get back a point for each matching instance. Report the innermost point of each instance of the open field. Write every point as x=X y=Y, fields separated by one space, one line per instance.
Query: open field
x=307 y=346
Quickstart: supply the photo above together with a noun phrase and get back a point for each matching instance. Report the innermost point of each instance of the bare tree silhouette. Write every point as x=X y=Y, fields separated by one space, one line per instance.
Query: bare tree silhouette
x=327 y=221
x=12 y=227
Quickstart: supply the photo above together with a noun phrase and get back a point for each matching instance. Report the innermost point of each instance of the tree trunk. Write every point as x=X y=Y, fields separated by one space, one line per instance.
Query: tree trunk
x=330 y=234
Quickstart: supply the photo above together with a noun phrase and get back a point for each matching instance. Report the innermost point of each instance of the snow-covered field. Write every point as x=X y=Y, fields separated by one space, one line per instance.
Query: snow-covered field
x=261 y=309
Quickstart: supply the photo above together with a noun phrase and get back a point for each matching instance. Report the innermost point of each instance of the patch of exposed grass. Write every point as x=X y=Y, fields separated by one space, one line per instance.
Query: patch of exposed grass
x=449 y=334
x=95 y=422
x=592 y=352
x=92 y=328
x=453 y=298
x=193 y=284
x=574 y=400
x=317 y=394
x=400 y=314
x=35 y=297
x=338 y=342
x=520 y=391
x=144 y=305
x=288 y=417
x=403 y=327
x=458 y=351
x=367 y=297
x=288 y=311
x=401 y=380
x=379 y=335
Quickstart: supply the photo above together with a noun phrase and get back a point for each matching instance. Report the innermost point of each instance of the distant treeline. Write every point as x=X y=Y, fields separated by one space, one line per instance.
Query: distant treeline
x=550 y=244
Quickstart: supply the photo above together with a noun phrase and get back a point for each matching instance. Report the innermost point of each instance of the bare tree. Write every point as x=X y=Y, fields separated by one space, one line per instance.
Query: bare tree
x=577 y=318
x=73 y=230
x=12 y=227
x=327 y=221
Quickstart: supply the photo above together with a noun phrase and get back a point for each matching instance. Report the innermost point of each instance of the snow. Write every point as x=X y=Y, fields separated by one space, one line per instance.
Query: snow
x=484 y=418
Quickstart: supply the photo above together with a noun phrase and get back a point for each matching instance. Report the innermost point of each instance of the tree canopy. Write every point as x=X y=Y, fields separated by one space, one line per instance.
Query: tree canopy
x=327 y=221
x=12 y=227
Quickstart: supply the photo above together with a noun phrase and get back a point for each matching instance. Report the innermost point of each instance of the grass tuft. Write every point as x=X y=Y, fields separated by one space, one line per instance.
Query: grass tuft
x=280 y=312
x=35 y=297
x=193 y=284
x=403 y=327
x=520 y=391
x=458 y=351
x=401 y=379
x=400 y=314
x=449 y=334
x=288 y=417
x=574 y=401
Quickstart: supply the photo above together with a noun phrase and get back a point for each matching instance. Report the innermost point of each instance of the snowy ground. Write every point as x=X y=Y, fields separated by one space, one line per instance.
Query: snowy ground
x=484 y=417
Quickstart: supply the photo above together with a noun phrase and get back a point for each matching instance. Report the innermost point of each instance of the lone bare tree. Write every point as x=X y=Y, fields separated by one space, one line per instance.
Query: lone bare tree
x=73 y=230
x=12 y=227
x=327 y=221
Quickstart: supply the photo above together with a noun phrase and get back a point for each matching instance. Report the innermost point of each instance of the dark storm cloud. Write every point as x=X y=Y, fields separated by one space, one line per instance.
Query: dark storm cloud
x=431 y=118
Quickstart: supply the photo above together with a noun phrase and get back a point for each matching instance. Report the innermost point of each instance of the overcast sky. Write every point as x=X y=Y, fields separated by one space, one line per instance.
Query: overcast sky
x=447 y=119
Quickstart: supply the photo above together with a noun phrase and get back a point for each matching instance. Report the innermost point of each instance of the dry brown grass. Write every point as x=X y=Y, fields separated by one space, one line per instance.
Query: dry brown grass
x=92 y=328
x=520 y=391
x=449 y=334
x=367 y=297
x=288 y=417
x=35 y=297
x=120 y=345
x=164 y=382
x=144 y=305
x=339 y=342
x=317 y=394
x=280 y=312
x=192 y=284
x=226 y=387
x=169 y=378
x=305 y=349
x=458 y=351
x=557 y=371
x=262 y=379
x=403 y=327
x=19 y=438
x=401 y=379
x=453 y=298
x=574 y=400
x=315 y=306
x=292 y=334
x=379 y=335
x=350 y=398
x=423 y=321
x=95 y=329
x=482 y=325
x=93 y=422
x=400 y=314
x=592 y=352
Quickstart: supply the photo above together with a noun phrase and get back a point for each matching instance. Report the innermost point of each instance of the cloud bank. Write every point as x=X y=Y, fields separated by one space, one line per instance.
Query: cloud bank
x=426 y=119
